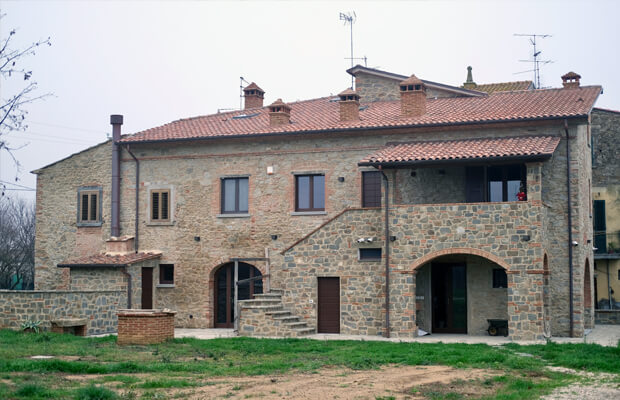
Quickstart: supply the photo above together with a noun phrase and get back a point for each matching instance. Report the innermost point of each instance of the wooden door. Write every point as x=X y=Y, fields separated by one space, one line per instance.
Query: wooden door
x=147 y=288
x=224 y=302
x=449 y=294
x=328 y=305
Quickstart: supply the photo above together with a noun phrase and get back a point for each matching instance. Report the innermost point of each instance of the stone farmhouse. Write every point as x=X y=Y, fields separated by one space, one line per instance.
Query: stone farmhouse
x=402 y=204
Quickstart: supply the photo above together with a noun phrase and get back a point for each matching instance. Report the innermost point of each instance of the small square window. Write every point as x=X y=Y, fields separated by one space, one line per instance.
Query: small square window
x=166 y=274
x=370 y=254
x=310 y=193
x=235 y=195
x=89 y=206
x=160 y=205
x=500 y=279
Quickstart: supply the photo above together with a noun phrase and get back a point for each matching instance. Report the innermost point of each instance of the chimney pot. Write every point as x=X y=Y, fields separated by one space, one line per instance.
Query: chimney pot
x=253 y=96
x=279 y=113
x=349 y=105
x=469 y=83
x=571 y=80
x=412 y=97
x=116 y=119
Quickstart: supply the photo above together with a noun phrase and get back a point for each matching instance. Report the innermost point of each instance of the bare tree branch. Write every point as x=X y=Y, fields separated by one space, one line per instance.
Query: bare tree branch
x=13 y=109
x=17 y=223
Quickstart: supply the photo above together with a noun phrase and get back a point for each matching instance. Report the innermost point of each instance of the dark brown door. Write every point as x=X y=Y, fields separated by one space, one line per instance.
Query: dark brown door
x=449 y=294
x=329 y=305
x=147 y=288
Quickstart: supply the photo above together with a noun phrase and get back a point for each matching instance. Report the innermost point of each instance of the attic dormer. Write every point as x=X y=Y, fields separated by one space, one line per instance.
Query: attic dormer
x=279 y=113
x=253 y=96
x=412 y=97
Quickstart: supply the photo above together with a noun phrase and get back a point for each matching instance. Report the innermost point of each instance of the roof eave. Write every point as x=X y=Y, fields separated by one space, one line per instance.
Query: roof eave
x=83 y=265
x=396 y=164
x=355 y=129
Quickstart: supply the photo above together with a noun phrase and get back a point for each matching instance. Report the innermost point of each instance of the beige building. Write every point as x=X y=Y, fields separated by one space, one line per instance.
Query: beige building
x=402 y=204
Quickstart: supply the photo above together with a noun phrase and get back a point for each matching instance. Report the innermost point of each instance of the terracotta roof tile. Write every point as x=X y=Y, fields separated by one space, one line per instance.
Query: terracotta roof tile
x=468 y=149
x=504 y=86
x=322 y=114
x=99 y=260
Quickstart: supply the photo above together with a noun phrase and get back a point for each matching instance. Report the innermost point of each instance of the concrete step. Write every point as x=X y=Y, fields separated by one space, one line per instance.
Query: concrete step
x=262 y=302
x=296 y=324
x=302 y=331
x=264 y=308
x=287 y=319
x=277 y=291
x=268 y=296
x=281 y=313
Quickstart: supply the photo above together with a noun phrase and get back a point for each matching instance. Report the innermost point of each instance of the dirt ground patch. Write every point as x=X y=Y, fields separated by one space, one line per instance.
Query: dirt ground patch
x=391 y=382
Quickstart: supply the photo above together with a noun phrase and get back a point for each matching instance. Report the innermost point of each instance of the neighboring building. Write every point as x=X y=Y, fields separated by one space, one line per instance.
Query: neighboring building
x=295 y=193
x=606 y=207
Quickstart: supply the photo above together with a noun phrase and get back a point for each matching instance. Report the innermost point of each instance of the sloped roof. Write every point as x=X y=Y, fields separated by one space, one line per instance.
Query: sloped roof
x=461 y=150
x=322 y=114
x=106 y=260
x=504 y=86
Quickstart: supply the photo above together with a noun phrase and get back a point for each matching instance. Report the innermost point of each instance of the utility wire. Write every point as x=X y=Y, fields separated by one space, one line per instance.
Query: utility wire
x=15 y=184
x=66 y=127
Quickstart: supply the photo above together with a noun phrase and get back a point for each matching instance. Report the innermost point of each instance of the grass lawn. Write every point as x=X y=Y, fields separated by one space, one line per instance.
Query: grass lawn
x=96 y=368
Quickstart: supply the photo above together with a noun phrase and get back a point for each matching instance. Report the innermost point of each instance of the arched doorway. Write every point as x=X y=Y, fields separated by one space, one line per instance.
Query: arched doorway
x=225 y=291
x=587 y=297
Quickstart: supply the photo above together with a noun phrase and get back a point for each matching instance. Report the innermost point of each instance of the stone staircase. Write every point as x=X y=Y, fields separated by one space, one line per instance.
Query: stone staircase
x=266 y=316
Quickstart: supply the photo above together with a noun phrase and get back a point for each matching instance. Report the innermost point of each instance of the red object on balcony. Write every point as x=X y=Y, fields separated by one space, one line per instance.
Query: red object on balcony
x=521 y=196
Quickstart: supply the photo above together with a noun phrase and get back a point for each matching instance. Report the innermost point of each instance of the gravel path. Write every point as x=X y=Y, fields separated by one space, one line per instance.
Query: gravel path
x=593 y=386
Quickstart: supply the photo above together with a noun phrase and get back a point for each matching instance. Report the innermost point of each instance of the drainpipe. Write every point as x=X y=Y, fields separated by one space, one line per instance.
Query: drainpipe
x=609 y=287
x=116 y=121
x=387 y=253
x=128 y=275
x=136 y=236
x=570 y=232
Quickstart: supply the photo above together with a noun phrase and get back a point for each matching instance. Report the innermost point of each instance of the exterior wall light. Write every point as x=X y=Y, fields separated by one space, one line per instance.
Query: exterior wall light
x=274 y=237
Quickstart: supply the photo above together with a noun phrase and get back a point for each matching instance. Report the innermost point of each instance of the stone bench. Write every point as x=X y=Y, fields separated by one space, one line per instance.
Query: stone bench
x=73 y=326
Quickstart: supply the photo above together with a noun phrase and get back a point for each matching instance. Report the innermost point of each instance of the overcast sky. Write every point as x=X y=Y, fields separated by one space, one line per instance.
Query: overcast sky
x=155 y=62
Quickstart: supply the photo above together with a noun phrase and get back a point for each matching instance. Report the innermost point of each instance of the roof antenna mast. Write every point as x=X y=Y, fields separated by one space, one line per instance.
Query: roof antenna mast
x=349 y=18
x=536 y=55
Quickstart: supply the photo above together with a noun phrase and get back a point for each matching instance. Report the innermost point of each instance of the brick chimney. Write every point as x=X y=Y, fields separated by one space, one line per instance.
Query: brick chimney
x=349 y=105
x=571 y=80
x=279 y=113
x=253 y=96
x=412 y=97
x=469 y=83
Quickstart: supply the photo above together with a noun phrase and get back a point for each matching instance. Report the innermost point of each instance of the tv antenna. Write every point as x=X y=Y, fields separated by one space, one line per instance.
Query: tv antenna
x=350 y=18
x=536 y=61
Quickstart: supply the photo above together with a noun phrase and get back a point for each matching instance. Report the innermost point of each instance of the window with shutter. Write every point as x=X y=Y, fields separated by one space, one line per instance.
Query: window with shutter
x=371 y=189
x=89 y=206
x=160 y=205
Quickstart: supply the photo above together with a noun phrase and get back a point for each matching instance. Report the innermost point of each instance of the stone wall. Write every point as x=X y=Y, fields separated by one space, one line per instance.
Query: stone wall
x=97 y=306
x=376 y=88
x=58 y=236
x=430 y=185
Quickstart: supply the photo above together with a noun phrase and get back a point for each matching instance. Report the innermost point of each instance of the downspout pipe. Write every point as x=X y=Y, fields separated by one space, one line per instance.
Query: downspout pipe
x=387 y=252
x=116 y=121
x=570 y=232
x=129 y=286
x=136 y=222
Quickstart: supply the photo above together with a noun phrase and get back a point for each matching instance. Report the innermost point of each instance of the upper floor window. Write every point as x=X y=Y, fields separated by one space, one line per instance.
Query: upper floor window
x=160 y=205
x=371 y=189
x=89 y=206
x=235 y=195
x=310 y=193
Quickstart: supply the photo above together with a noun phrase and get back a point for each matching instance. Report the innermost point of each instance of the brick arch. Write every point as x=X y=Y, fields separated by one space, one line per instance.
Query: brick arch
x=259 y=266
x=459 y=250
